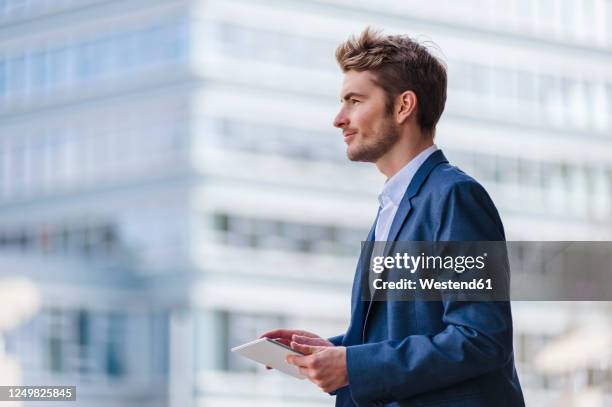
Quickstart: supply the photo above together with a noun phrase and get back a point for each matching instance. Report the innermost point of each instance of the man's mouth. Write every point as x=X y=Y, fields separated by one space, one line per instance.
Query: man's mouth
x=348 y=135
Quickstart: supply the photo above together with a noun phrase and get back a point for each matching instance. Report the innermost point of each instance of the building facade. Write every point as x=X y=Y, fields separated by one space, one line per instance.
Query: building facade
x=171 y=181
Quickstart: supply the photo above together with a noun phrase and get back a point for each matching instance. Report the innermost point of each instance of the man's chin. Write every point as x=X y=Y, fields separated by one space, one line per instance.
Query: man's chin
x=359 y=156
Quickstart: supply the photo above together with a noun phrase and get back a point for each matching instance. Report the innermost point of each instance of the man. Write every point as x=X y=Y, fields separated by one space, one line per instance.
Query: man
x=411 y=353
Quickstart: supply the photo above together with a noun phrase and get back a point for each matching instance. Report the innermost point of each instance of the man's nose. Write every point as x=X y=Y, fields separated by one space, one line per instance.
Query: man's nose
x=341 y=120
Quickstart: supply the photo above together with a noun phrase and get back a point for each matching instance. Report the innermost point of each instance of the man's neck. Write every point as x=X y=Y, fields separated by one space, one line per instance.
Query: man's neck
x=401 y=154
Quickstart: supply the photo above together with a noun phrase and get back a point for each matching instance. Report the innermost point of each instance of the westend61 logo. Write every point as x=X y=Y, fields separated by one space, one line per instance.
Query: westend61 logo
x=426 y=270
x=412 y=263
x=481 y=270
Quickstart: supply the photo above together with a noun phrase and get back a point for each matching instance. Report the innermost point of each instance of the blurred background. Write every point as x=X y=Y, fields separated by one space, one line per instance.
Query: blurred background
x=171 y=184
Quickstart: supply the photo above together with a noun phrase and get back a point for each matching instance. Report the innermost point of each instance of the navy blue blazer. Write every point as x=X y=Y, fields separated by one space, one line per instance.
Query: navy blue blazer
x=433 y=353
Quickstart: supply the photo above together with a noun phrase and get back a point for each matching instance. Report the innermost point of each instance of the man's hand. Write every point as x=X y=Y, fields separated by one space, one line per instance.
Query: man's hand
x=286 y=337
x=324 y=365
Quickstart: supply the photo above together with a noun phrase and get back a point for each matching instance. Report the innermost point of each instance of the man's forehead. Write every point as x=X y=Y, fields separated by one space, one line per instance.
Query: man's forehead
x=357 y=82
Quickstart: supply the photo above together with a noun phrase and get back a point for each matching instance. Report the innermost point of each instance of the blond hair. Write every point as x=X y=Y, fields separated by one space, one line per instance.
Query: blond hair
x=399 y=64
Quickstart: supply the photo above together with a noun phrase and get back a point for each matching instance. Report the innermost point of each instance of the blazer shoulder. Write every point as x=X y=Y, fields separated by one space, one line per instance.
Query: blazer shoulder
x=446 y=177
x=465 y=205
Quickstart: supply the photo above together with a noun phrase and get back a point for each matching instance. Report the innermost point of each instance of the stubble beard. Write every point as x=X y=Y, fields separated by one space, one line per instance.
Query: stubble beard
x=378 y=146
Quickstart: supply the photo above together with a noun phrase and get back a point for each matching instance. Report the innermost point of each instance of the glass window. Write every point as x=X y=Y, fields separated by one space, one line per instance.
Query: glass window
x=129 y=51
x=508 y=169
x=57 y=67
x=457 y=76
x=16 y=75
x=68 y=158
x=5 y=166
x=485 y=166
x=151 y=39
x=55 y=341
x=526 y=14
x=243 y=328
x=16 y=5
x=577 y=103
x=598 y=109
x=608 y=95
x=526 y=86
x=51 y=157
x=37 y=149
x=17 y=169
x=281 y=47
x=85 y=61
x=115 y=357
x=98 y=54
x=553 y=98
x=83 y=338
x=116 y=53
x=505 y=83
x=3 y=81
x=84 y=342
x=589 y=18
x=529 y=172
x=98 y=49
x=179 y=46
x=38 y=70
x=608 y=20
x=221 y=222
x=481 y=79
x=568 y=17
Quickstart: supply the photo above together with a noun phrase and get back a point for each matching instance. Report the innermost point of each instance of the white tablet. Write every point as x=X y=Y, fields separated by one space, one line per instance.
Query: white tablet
x=270 y=353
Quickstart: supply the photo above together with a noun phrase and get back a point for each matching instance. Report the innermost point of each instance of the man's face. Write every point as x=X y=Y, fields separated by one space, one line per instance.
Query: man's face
x=368 y=129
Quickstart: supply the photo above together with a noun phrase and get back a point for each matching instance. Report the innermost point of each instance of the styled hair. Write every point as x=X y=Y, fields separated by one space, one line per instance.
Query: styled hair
x=399 y=64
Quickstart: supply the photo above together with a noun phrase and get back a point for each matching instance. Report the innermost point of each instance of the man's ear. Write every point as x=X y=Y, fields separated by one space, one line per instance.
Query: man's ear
x=406 y=105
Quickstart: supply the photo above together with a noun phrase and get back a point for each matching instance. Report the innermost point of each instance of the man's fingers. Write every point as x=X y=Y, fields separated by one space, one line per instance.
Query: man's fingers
x=298 y=347
x=306 y=340
x=305 y=349
x=286 y=334
x=284 y=341
x=305 y=333
x=291 y=360
x=297 y=360
x=277 y=333
x=305 y=372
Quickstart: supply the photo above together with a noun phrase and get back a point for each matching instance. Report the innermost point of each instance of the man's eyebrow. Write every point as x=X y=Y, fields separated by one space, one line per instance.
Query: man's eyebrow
x=350 y=95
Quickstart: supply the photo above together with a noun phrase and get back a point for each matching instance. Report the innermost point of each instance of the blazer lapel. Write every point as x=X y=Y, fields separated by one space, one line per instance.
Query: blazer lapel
x=363 y=265
x=403 y=211
x=358 y=307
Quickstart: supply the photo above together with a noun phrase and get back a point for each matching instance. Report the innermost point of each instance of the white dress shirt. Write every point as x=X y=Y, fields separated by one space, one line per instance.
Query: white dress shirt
x=393 y=191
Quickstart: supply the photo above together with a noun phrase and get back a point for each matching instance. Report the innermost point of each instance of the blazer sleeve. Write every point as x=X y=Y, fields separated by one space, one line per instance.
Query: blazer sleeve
x=336 y=340
x=477 y=337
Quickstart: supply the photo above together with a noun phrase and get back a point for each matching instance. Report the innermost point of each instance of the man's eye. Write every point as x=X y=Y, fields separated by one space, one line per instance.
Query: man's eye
x=353 y=101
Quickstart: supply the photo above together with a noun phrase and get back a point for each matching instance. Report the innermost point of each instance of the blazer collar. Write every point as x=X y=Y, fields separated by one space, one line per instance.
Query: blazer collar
x=437 y=157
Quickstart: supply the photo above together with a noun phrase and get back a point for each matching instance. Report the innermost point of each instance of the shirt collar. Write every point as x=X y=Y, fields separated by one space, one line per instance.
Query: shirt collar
x=395 y=187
